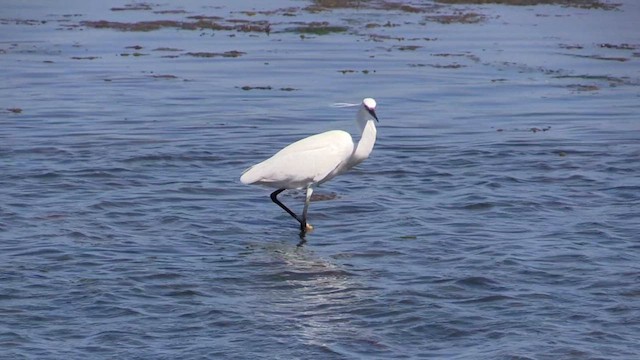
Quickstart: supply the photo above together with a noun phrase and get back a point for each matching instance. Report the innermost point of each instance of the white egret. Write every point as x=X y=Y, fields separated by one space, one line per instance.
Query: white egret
x=315 y=160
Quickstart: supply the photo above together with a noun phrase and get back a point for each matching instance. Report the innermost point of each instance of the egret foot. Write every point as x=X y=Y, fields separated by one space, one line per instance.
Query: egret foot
x=304 y=229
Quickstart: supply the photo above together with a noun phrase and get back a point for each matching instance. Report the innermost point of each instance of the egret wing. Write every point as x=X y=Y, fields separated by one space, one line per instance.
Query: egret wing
x=311 y=160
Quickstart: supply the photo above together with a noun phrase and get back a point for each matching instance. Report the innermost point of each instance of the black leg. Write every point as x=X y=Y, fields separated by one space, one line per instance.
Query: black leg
x=274 y=198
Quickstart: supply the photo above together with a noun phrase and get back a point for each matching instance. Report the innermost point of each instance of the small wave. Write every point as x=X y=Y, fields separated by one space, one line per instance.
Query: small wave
x=174 y=158
x=478 y=206
x=477 y=281
x=41 y=252
x=185 y=293
x=47 y=175
x=487 y=299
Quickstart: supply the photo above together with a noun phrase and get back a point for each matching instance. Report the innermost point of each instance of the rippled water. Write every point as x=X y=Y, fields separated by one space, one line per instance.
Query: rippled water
x=497 y=217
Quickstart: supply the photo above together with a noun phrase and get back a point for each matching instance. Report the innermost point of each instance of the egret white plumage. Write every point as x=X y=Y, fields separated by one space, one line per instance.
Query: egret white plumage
x=315 y=160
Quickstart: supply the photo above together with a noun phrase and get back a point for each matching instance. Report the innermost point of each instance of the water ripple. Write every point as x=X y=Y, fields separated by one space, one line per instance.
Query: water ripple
x=496 y=218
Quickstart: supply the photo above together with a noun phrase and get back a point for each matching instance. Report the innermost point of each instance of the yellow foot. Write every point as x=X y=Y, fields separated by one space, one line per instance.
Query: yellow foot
x=309 y=227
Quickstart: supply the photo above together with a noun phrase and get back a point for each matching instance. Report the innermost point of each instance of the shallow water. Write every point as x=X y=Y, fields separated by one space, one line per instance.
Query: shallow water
x=496 y=218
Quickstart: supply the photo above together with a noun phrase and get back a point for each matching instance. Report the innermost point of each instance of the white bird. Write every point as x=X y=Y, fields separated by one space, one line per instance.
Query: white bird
x=315 y=160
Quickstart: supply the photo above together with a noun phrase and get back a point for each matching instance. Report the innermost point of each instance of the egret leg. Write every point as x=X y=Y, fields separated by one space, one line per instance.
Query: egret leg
x=303 y=224
x=274 y=198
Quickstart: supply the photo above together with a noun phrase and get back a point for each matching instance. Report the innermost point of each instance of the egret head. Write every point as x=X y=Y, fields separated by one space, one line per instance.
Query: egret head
x=370 y=106
x=370 y=103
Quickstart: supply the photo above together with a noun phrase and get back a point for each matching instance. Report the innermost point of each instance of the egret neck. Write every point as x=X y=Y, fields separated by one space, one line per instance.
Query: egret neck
x=367 y=124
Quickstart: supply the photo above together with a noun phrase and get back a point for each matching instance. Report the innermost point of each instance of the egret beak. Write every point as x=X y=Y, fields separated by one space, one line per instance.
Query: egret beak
x=373 y=113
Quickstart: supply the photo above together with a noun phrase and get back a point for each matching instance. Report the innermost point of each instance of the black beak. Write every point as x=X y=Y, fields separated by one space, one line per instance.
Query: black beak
x=373 y=113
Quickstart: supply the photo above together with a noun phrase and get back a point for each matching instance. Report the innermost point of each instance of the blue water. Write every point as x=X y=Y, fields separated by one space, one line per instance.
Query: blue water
x=497 y=217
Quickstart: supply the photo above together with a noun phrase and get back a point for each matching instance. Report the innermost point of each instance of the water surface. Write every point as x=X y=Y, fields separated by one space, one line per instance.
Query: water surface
x=497 y=217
